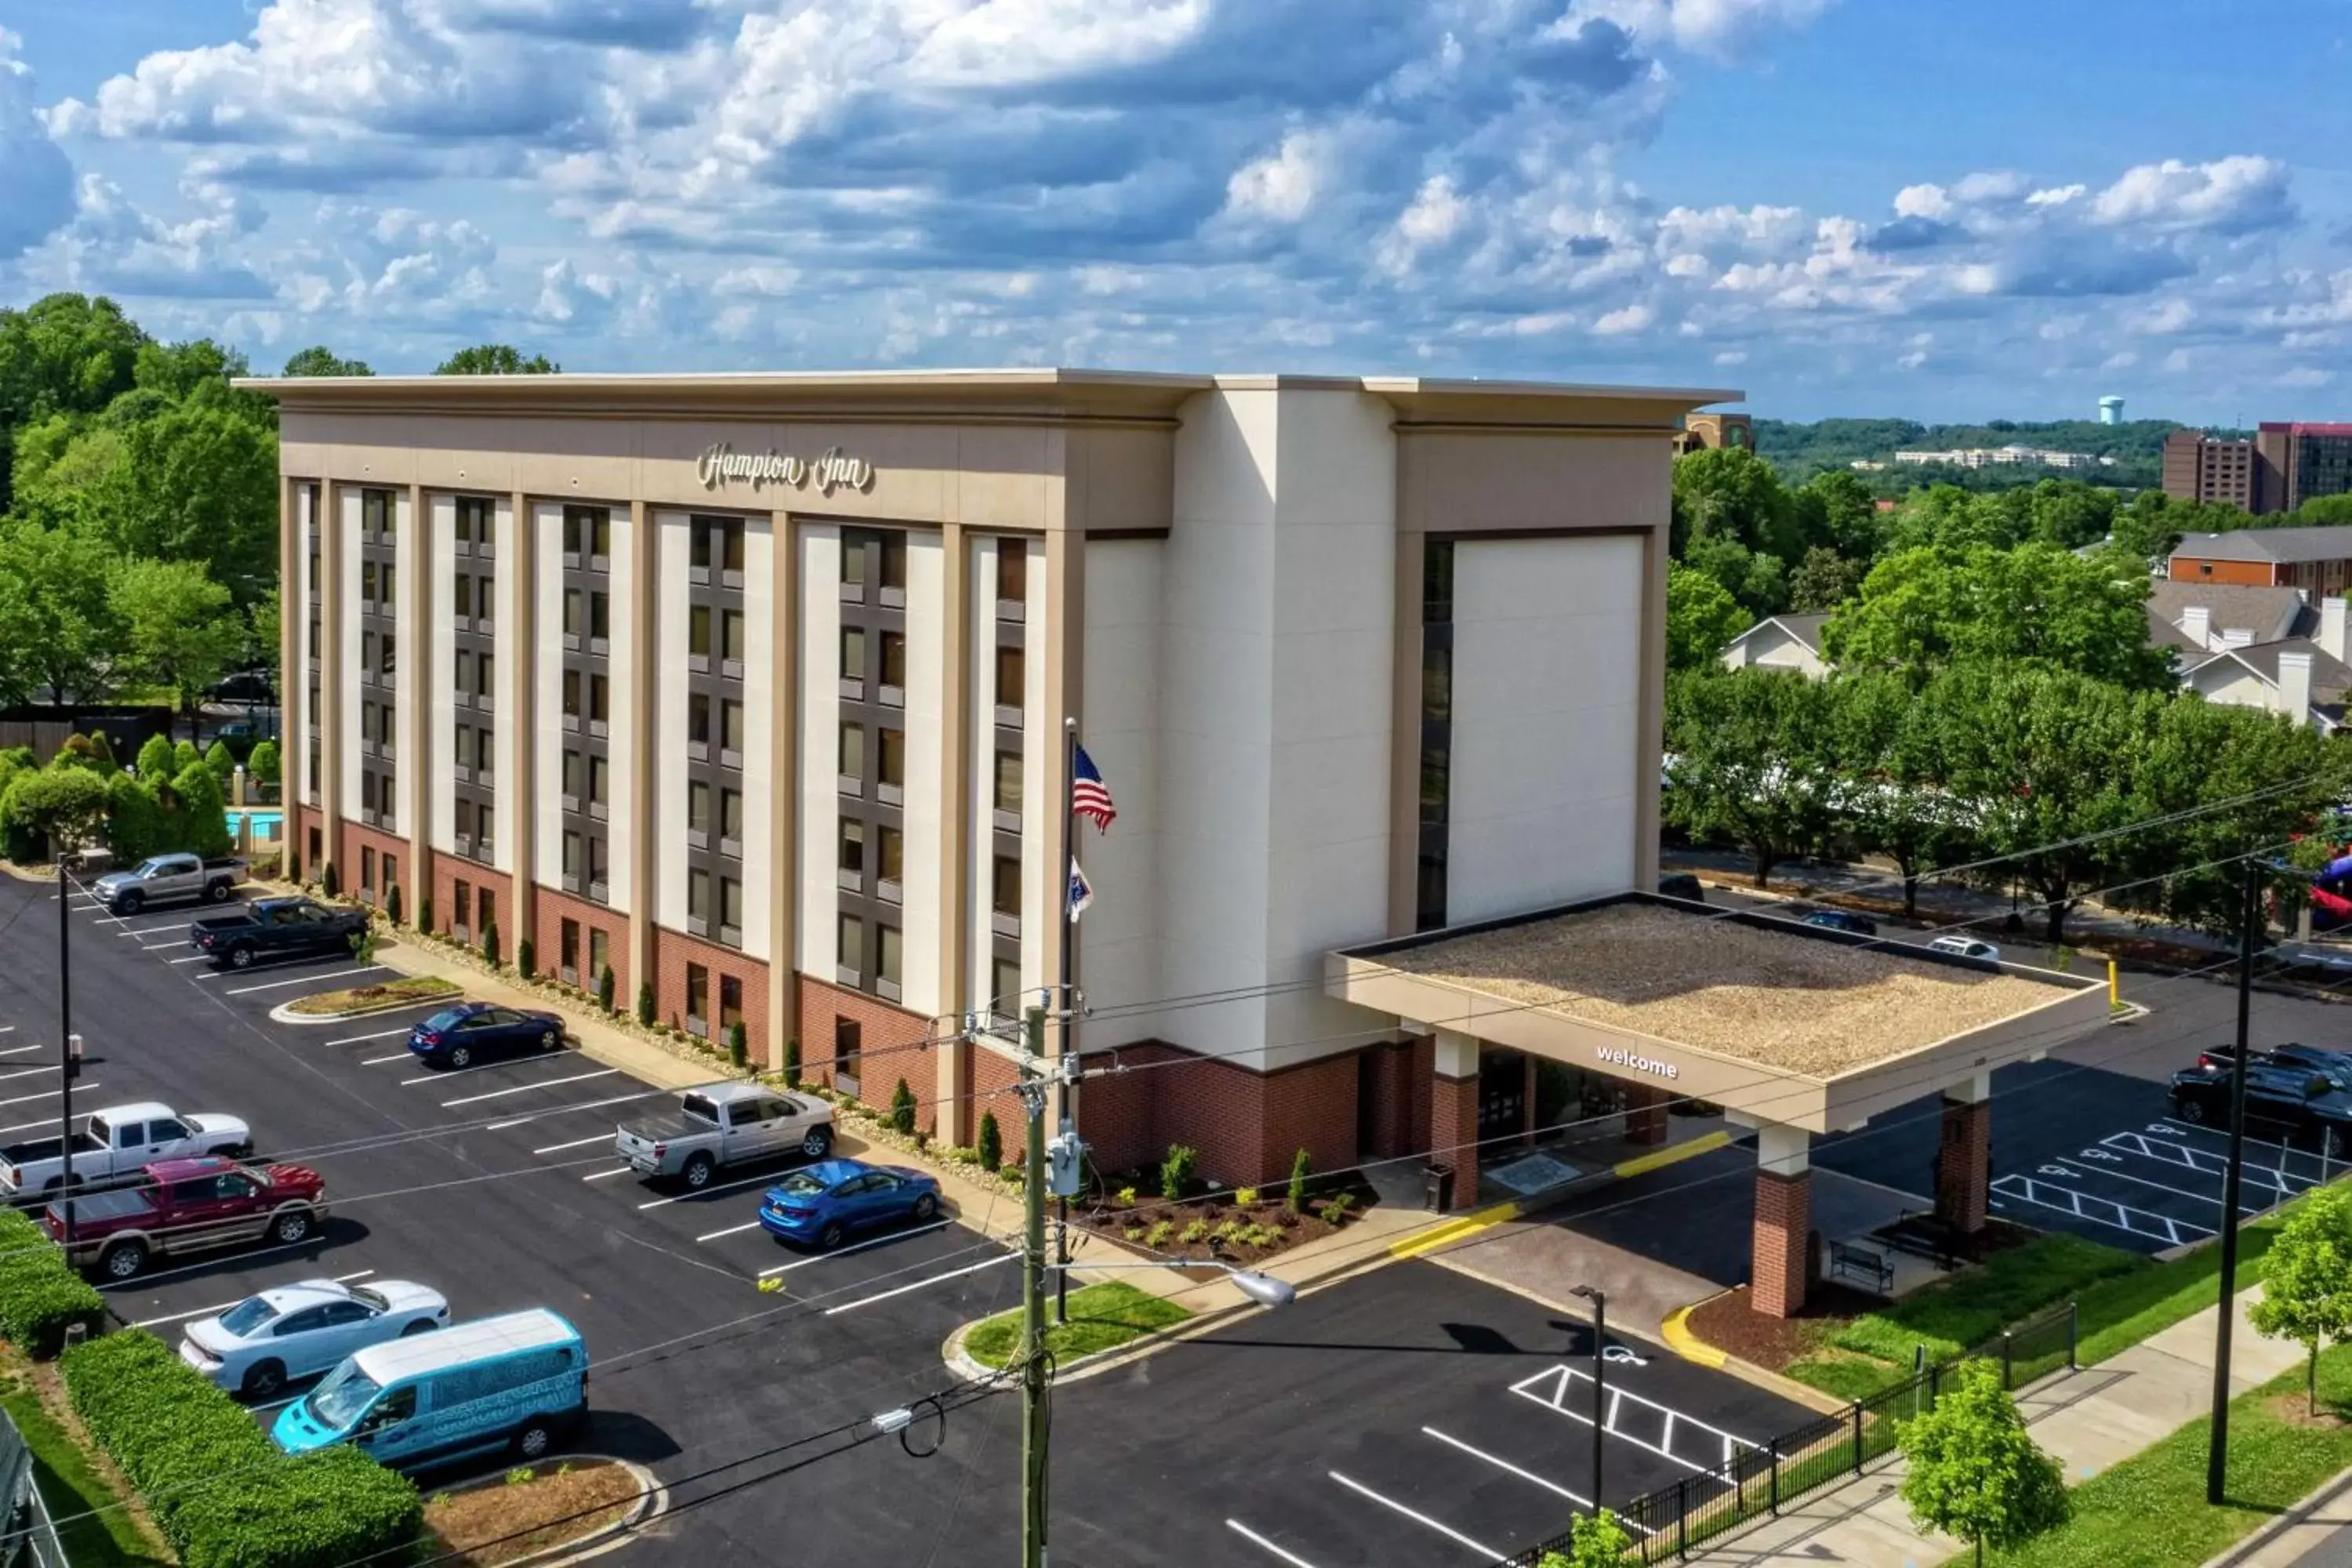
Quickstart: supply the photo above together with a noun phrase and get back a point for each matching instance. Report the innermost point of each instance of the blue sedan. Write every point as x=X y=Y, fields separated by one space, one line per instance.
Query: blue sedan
x=821 y=1203
x=470 y=1032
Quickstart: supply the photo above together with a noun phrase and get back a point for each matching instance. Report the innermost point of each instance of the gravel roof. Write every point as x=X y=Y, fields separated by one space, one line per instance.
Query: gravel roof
x=1801 y=1004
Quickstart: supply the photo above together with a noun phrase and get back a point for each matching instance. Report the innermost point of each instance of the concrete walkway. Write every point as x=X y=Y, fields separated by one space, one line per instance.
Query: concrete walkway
x=2087 y=1420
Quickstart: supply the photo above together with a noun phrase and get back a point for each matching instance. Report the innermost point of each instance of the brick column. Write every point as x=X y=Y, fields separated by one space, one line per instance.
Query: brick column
x=1783 y=1220
x=1964 y=1161
x=1454 y=1114
x=1645 y=1113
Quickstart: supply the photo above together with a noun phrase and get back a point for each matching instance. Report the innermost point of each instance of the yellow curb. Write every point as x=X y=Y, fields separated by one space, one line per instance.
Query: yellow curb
x=1452 y=1230
x=1688 y=1346
x=1704 y=1144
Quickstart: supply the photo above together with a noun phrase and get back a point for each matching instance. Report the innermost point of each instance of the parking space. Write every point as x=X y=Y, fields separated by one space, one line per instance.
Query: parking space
x=2153 y=1185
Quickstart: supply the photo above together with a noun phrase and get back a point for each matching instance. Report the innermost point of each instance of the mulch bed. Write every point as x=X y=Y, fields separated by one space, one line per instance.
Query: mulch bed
x=2294 y=1409
x=499 y=1522
x=1729 y=1324
x=1278 y=1229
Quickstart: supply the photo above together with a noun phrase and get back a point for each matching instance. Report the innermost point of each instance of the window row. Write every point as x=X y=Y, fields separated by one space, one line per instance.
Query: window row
x=730 y=811
x=475 y=597
x=886 y=955
x=367 y=872
x=892 y=549
x=587 y=696
x=377 y=725
x=476 y=828
x=376 y=513
x=376 y=802
x=477 y=523
x=697 y=1000
x=587 y=782
x=567 y=954
x=732 y=631
x=890 y=771
x=379 y=655
x=587 y=860
x=890 y=665
x=376 y=586
x=872 y=848
x=587 y=612
x=699 y=908
x=717 y=541
x=587 y=532
x=472 y=908
x=473 y=676
x=699 y=710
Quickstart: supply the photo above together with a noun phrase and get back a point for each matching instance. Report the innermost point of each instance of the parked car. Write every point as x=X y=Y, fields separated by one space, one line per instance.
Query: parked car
x=2336 y=1067
x=518 y=1381
x=725 y=1124
x=299 y=1331
x=277 y=927
x=166 y=878
x=241 y=736
x=2283 y=1105
x=1965 y=947
x=1683 y=885
x=1841 y=920
x=190 y=1206
x=119 y=1141
x=245 y=686
x=459 y=1037
x=820 y=1204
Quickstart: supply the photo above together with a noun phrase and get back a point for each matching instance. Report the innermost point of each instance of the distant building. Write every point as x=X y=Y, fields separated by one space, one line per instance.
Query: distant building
x=1780 y=642
x=2317 y=560
x=1701 y=430
x=2012 y=456
x=2111 y=410
x=2285 y=465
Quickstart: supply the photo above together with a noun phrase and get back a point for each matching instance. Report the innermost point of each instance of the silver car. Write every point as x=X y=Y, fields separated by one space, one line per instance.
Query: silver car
x=265 y=1342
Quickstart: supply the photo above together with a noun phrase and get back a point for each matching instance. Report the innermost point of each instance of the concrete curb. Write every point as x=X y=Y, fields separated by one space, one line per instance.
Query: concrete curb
x=653 y=1501
x=278 y=1014
x=2245 y=1550
x=1675 y=1332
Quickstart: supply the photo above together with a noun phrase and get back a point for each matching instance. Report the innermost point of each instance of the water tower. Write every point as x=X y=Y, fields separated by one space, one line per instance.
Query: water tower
x=2111 y=410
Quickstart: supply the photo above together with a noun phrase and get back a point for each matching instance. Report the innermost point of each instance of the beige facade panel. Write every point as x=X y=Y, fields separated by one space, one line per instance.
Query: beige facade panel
x=1476 y=480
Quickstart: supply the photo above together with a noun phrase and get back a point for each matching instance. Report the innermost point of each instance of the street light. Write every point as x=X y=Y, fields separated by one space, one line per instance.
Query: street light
x=1600 y=1299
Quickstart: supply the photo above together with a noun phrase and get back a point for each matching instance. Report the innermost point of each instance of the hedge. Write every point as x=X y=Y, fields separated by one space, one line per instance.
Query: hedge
x=40 y=1294
x=221 y=1491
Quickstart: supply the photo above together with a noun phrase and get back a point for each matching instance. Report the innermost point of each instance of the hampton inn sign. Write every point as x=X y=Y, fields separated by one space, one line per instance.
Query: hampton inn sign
x=826 y=473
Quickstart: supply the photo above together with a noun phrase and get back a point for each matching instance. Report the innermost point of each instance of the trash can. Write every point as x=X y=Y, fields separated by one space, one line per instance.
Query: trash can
x=1438 y=1184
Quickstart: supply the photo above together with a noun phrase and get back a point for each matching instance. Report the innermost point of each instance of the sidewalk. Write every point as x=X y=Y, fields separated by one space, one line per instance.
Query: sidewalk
x=2087 y=1420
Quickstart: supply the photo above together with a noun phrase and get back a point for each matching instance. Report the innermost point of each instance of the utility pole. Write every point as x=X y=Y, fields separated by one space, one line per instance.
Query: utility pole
x=65 y=1039
x=1033 y=1298
x=2217 y=1459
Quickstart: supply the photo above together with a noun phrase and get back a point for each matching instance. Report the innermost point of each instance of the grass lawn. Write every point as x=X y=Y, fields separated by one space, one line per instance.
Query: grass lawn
x=2150 y=1512
x=1101 y=1317
x=110 y=1537
x=359 y=998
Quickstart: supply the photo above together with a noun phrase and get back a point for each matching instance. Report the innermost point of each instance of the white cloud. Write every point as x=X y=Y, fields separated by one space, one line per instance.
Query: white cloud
x=1630 y=318
x=1720 y=28
x=2172 y=316
x=1922 y=201
x=1280 y=186
x=2056 y=196
x=37 y=182
x=2228 y=195
x=2305 y=376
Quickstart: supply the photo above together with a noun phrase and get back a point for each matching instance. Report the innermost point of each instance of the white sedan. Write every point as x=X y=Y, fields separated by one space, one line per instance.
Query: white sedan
x=268 y=1341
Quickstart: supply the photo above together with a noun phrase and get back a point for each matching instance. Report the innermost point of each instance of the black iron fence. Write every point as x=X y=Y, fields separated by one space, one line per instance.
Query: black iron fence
x=1759 y=1480
x=28 y=1538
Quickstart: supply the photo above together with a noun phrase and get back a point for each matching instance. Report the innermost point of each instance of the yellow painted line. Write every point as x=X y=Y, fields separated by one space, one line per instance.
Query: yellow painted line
x=1452 y=1230
x=1687 y=1345
x=1674 y=1156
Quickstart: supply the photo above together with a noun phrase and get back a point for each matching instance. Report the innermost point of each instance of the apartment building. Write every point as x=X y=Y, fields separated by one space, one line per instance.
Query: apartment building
x=2284 y=466
x=753 y=689
x=2317 y=559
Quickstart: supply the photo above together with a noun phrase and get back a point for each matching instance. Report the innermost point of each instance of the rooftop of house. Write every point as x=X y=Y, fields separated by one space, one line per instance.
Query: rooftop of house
x=2268 y=612
x=2331 y=677
x=1804 y=628
x=2278 y=546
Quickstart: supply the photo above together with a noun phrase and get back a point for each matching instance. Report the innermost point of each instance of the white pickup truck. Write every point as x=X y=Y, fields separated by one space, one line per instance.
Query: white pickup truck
x=725 y=1124
x=121 y=1141
x=160 y=878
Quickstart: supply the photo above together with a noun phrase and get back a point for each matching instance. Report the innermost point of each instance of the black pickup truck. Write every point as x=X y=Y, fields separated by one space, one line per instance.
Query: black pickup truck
x=273 y=928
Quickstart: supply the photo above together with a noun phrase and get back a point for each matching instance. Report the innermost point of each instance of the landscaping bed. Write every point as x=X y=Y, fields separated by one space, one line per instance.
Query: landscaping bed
x=370 y=998
x=1102 y=1317
x=532 y=1509
x=1245 y=1227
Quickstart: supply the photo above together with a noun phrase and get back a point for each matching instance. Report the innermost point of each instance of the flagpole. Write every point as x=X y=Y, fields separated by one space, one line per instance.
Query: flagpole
x=1069 y=1001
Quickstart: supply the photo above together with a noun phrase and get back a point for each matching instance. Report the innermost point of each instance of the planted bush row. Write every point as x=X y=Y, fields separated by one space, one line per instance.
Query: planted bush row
x=221 y=1492
x=40 y=1294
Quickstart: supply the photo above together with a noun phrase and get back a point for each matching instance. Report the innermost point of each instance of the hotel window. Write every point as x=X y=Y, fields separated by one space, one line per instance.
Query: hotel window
x=730 y=1002
x=599 y=783
x=894 y=856
x=852 y=659
x=391 y=875
x=894 y=669
x=1005 y=978
x=1007 y=798
x=850 y=960
x=367 y=654
x=1011 y=686
x=575 y=615
x=599 y=950
x=567 y=951
x=888 y=945
x=483 y=674
x=389 y=596
x=730 y=816
x=367 y=869
x=731 y=726
x=730 y=636
x=486 y=908
x=853 y=759
x=1012 y=572
x=461 y=749
x=698 y=994
x=730 y=910
x=892 y=772
x=697 y=719
x=574 y=858
x=1004 y=892
x=388 y=662
x=485 y=755
x=575 y=777
x=461 y=906
x=464 y=821
x=464 y=667
x=485 y=601
x=894 y=569
x=697 y=809
x=847 y=1054
x=483 y=837
x=600 y=867
x=367 y=582
x=600 y=696
x=697 y=902
x=599 y=615
x=698 y=631
x=852 y=571
x=852 y=853
x=463 y=587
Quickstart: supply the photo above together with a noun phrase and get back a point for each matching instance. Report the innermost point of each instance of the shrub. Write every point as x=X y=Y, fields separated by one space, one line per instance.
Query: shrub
x=101 y=750
x=1245 y=1196
x=739 y=1044
x=204 y=812
x=40 y=1295
x=155 y=760
x=425 y=911
x=1126 y=1197
x=1197 y=1231
x=1177 y=1170
x=647 y=1007
x=262 y=764
x=523 y=957
x=1133 y=1233
x=1301 y=1167
x=1156 y=1237
x=791 y=1060
x=392 y=904
x=605 y=988
x=992 y=1142
x=328 y=883
x=185 y=756
x=490 y=943
x=222 y=762
x=222 y=1493
x=902 y=1107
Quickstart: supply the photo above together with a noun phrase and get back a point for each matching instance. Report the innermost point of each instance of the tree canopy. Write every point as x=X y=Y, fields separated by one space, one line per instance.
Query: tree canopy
x=1701 y=617
x=495 y=359
x=320 y=360
x=2307 y=1279
x=1975 y=1473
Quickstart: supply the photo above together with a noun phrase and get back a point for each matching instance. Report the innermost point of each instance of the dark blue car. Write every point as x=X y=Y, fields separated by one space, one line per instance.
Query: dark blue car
x=471 y=1032
x=820 y=1204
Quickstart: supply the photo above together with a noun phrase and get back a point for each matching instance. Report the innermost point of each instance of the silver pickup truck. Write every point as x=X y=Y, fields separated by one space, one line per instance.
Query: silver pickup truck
x=160 y=878
x=725 y=1124
x=119 y=1141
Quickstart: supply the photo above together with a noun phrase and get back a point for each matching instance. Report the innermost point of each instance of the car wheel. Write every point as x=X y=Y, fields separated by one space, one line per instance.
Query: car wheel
x=534 y=1439
x=697 y=1172
x=263 y=1381
x=129 y=903
x=2191 y=1110
x=291 y=1226
x=830 y=1236
x=818 y=1142
x=124 y=1260
x=240 y=1150
x=548 y=1039
x=422 y=1326
x=240 y=957
x=925 y=1208
x=461 y=1056
x=218 y=892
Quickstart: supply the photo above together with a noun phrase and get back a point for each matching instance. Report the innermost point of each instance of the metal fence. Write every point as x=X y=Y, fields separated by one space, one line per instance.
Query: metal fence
x=1758 y=1481
x=27 y=1537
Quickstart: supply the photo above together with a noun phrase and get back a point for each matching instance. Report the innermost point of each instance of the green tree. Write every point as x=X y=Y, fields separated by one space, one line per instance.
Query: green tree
x=1301 y=1167
x=181 y=371
x=263 y=765
x=197 y=483
x=1757 y=580
x=59 y=634
x=323 y=361
x=156 y=761
x=1946 y=517
x=262 y=642
x=204 y=811
x=184 y=756
x=61 y=354
x=1601 y=1540
x=1836 y=510
x=1754 y=761
x=991 y=1142
x=1701 y=617
x=2307 y=1280
x=605 y=988
x=136 y=823
x=1892 y=754
x=1824 y=579
x=739 y=1044
x=648 y=1009
x=495 y=359
x=1975 y=1473
x=1730 y=493
x=902 y=1107
x=222 y=762
x=178 y=628
x=64 y=808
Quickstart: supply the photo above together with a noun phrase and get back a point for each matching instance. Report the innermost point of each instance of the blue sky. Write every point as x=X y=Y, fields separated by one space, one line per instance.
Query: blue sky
x=1844 y=207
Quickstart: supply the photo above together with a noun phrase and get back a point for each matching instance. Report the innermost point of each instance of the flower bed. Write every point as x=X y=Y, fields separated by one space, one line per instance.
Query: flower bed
x=372 y=998
x=1237 y=1225
x=531 y=1510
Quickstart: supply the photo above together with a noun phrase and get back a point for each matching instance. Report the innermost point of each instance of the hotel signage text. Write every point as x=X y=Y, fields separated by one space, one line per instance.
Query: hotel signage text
x=829 y=471
x=1617 y=1057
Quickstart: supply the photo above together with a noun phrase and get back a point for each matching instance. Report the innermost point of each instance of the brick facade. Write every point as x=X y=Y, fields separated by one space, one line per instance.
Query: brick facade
x=672 y=951
x=1454 y=1133
x=1646 y=1109
x=1784 y=1216
x=1964 y=1165
x=551 y=908
x=893 y=1044
x=308 y=819
x=448 y=870
x=993 y=1075
x=356 y=837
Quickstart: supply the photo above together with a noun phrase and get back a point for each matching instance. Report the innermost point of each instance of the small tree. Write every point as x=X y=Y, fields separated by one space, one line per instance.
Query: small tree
x=646 y=1010
x=222 y=761
x=183 y=756
x=1599 y=1542
x=425 y=911
x=605 y=988
x=739 y=1044
x=902 y=1107
x=791 y=1062
x=992 y=1142
x=523 y=957
x=156 y=760
x=328 y=883
x=392 y=904
x=262 y=764
x=63 y=806
x=1975 y=1473
x=1177 y=1170
x=102 y=750
x=2307 y=1280
x=204 y=812
x=1301 y=1167
x=490 y=942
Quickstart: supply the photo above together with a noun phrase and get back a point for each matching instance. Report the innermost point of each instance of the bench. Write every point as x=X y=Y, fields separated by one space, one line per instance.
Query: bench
x=1865 y=1269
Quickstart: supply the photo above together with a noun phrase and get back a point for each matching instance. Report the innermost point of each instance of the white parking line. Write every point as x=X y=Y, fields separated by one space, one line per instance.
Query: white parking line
x=19 y=1050
x=1555 y=1388
x=858 y=1246
x=192 y=958
x=2168 y=1148
x=1447 y=1531
x=920 y=1284
x=1254 y=1539
x=2063 y=1165
x=2223 y=1132
x=583 y=1105
x=526 y=1088
x=708 y=1192
x=151 y=931
x=46 y=1094
x=50 y=1121
x=357 y=1039
x=224 y=1306
x=2101 y=1211
x=305 y=979
x=394 y=1056
x=441 y=1074
x=606 y=1175
x=24 y=1072
x=8 y=1028
x=731 y=1230
x=575 y=1143
x=1501 y=1464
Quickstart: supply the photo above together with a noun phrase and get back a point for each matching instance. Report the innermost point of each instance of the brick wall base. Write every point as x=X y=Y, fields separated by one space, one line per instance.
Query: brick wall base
x=1454 y=1133
x=308 y=819
x=672 y=951
x=1964 y=1165
x=892 y=1044
x=357 y=838
x=1784 y=1216
x=448 y=870
x=551 y=908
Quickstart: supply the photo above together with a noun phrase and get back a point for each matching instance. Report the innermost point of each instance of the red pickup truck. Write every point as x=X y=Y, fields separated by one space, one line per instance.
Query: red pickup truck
x=191 y=1205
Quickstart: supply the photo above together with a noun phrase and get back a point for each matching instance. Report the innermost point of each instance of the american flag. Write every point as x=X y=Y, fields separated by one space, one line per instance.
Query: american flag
x=1090 y=796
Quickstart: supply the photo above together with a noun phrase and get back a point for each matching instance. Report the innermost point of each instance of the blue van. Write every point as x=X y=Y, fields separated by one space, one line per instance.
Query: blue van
x=516 y=1382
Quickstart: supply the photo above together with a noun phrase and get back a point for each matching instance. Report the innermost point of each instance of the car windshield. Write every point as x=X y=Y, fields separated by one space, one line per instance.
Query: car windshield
x=448 y=1018
x=372 y=1299
x=800 y=1184
x=247 y=1316
x=343 y=1397
x=149 y=866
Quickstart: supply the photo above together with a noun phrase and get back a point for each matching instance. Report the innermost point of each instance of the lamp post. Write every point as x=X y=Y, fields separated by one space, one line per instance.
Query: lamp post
x=1600 y=1299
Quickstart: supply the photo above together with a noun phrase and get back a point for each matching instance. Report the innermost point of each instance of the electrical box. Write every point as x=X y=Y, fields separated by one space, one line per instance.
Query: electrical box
x=1065 y=1165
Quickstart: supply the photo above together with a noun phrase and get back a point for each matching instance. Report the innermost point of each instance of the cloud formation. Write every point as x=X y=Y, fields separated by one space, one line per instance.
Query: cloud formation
x=36 y=186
